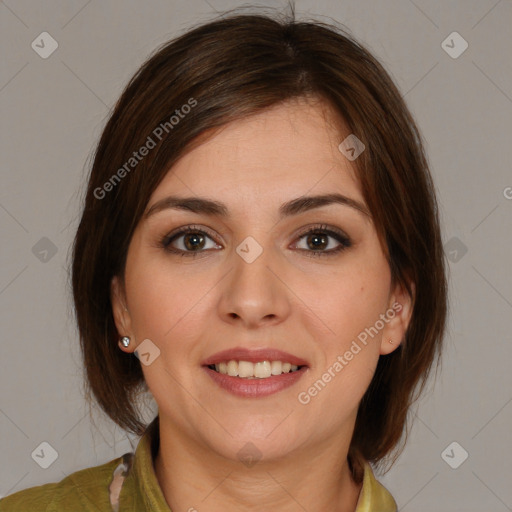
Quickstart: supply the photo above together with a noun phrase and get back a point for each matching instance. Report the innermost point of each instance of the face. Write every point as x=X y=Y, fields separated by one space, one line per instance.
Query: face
x=263 y=277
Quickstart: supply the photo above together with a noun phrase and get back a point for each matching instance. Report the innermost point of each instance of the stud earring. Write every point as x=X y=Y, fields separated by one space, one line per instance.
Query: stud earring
x=125 y=341
x=390 y=341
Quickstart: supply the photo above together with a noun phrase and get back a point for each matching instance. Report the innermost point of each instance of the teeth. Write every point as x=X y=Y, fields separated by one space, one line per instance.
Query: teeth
x=262 y=370
x=276 y=367
x=245 y=369
x=232 y=368
x=259 y=370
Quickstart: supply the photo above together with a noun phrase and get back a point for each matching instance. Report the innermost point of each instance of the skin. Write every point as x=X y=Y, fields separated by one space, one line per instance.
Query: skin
x=312 y=307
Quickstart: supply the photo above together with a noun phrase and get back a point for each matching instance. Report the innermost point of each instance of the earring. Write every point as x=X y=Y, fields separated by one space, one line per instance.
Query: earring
x=125 y=341
x=390 y=341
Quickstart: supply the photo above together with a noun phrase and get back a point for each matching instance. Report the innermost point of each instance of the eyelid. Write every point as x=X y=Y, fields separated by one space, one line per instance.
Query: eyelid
x=325 y=228
x=342 y=238
x=183 y=230
x=344 y=241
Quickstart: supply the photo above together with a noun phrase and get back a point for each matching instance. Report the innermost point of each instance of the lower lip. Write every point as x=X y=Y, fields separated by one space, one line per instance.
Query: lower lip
x=254 y=388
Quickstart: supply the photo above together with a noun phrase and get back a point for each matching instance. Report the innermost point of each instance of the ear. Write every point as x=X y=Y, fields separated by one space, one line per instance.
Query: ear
x=399 y=315
x=121 y=314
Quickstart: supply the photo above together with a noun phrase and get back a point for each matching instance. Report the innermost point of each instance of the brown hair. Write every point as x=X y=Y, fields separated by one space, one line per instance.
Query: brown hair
x=225 y=70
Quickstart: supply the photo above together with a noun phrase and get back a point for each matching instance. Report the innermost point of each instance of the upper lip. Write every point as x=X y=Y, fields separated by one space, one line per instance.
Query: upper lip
x=253 y=356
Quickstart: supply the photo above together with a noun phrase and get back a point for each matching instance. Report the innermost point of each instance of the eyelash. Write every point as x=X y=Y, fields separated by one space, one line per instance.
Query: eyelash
x=344 y=241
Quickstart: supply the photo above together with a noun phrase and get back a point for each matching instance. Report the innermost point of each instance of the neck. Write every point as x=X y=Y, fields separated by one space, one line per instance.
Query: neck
x=316 y=479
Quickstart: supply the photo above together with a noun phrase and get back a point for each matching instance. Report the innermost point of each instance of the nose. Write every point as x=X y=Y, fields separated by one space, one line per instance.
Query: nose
x=255 y=294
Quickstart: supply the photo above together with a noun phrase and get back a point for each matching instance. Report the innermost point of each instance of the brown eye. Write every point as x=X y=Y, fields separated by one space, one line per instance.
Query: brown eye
x=193 y=241
x=322 y=241
x=317 y=241
x=188 y=241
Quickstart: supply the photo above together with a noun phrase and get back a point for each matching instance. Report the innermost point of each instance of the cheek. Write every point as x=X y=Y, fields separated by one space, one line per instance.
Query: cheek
x=348 y=299
x=348 y=356
x=165 y=300
x=150 y=297
x=167 y=306
x=343 y=393
x=357 y=300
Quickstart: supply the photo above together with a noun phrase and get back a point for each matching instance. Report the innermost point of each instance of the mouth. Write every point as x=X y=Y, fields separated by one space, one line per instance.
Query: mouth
x=254 y=373
x=258 y=370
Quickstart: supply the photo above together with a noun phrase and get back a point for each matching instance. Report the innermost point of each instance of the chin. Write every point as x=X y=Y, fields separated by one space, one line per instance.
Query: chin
x=261 y=439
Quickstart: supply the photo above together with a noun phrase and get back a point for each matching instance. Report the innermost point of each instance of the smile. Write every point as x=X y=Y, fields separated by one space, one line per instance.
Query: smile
x=248 y=370
x=254 y=373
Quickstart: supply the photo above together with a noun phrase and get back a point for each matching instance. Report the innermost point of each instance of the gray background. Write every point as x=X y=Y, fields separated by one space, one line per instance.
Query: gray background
x=52 y=113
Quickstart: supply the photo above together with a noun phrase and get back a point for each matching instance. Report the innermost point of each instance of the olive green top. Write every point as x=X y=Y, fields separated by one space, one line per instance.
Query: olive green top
x=129 y=483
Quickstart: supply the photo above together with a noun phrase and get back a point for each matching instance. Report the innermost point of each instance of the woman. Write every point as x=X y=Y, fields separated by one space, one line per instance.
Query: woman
x=260 y=249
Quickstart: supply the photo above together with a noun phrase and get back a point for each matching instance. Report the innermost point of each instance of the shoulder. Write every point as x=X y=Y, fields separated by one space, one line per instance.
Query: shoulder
x=87 y=490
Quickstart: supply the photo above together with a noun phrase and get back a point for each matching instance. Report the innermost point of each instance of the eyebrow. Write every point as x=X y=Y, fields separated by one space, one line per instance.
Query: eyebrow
x=294 y=207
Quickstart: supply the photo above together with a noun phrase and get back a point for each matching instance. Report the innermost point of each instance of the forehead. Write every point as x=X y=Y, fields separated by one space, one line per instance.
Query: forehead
x=286 y=151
